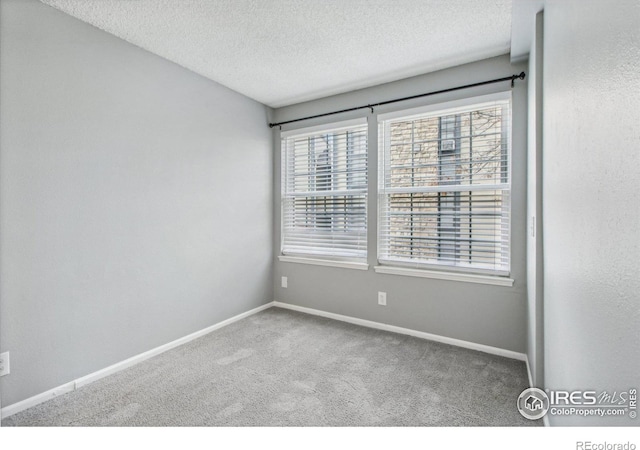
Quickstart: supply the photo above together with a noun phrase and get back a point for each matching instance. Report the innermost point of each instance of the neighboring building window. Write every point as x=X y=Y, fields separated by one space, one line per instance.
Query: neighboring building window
x=444 y=188
x=324 y=192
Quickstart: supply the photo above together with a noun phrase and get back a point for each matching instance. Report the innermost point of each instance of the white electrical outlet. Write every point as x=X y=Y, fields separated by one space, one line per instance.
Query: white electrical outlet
x=4 y=364
x=382 y=298
x=284 y=282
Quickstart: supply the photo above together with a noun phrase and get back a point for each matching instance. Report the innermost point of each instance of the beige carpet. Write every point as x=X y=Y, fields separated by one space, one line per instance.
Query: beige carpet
x=283 y=368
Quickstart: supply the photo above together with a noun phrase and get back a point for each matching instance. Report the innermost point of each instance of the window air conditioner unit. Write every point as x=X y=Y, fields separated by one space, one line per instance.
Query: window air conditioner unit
x=448 y=145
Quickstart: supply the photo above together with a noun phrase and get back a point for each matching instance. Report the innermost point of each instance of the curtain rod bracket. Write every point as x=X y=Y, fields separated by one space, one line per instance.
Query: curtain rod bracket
x=520 y=76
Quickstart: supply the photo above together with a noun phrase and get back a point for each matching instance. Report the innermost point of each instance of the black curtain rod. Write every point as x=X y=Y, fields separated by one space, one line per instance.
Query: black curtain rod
x=511 y=78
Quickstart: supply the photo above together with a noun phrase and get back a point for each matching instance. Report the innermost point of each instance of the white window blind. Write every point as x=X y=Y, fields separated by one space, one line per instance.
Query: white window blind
x=444 y=189
x=324 y=192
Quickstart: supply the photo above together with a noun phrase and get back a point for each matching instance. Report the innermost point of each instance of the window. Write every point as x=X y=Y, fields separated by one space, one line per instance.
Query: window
x=324 y=192
x=444 y=187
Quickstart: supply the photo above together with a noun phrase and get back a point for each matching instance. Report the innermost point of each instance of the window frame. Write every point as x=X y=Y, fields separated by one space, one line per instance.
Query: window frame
x=343 y=261
x=429 y=268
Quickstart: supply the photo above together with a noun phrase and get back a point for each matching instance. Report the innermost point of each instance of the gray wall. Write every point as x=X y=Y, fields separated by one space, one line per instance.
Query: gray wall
x=490 y=315
x=134 y=200
x=591 y=208
x=535 y=275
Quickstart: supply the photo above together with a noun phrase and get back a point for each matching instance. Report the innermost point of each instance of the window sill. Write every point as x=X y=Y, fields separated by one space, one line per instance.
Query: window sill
x=450 y=276
x=325 y=262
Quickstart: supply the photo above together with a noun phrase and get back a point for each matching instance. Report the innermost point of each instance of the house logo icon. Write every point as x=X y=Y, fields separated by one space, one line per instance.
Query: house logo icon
x=533 y=403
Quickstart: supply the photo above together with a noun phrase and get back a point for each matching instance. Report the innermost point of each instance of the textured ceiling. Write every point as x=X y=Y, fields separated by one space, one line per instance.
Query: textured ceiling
x=280 y=52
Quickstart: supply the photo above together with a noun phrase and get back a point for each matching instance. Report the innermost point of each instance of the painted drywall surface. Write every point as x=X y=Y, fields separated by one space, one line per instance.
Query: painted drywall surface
x=484 y=314
x=135 y=200
x=535 y=329
x=591 y=210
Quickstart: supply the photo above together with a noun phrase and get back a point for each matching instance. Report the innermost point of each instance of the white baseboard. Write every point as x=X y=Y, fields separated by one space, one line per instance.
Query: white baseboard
x=529 y=374
x=419 y=334
x=545 y=418
x=83 y=381
x=37 y=399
